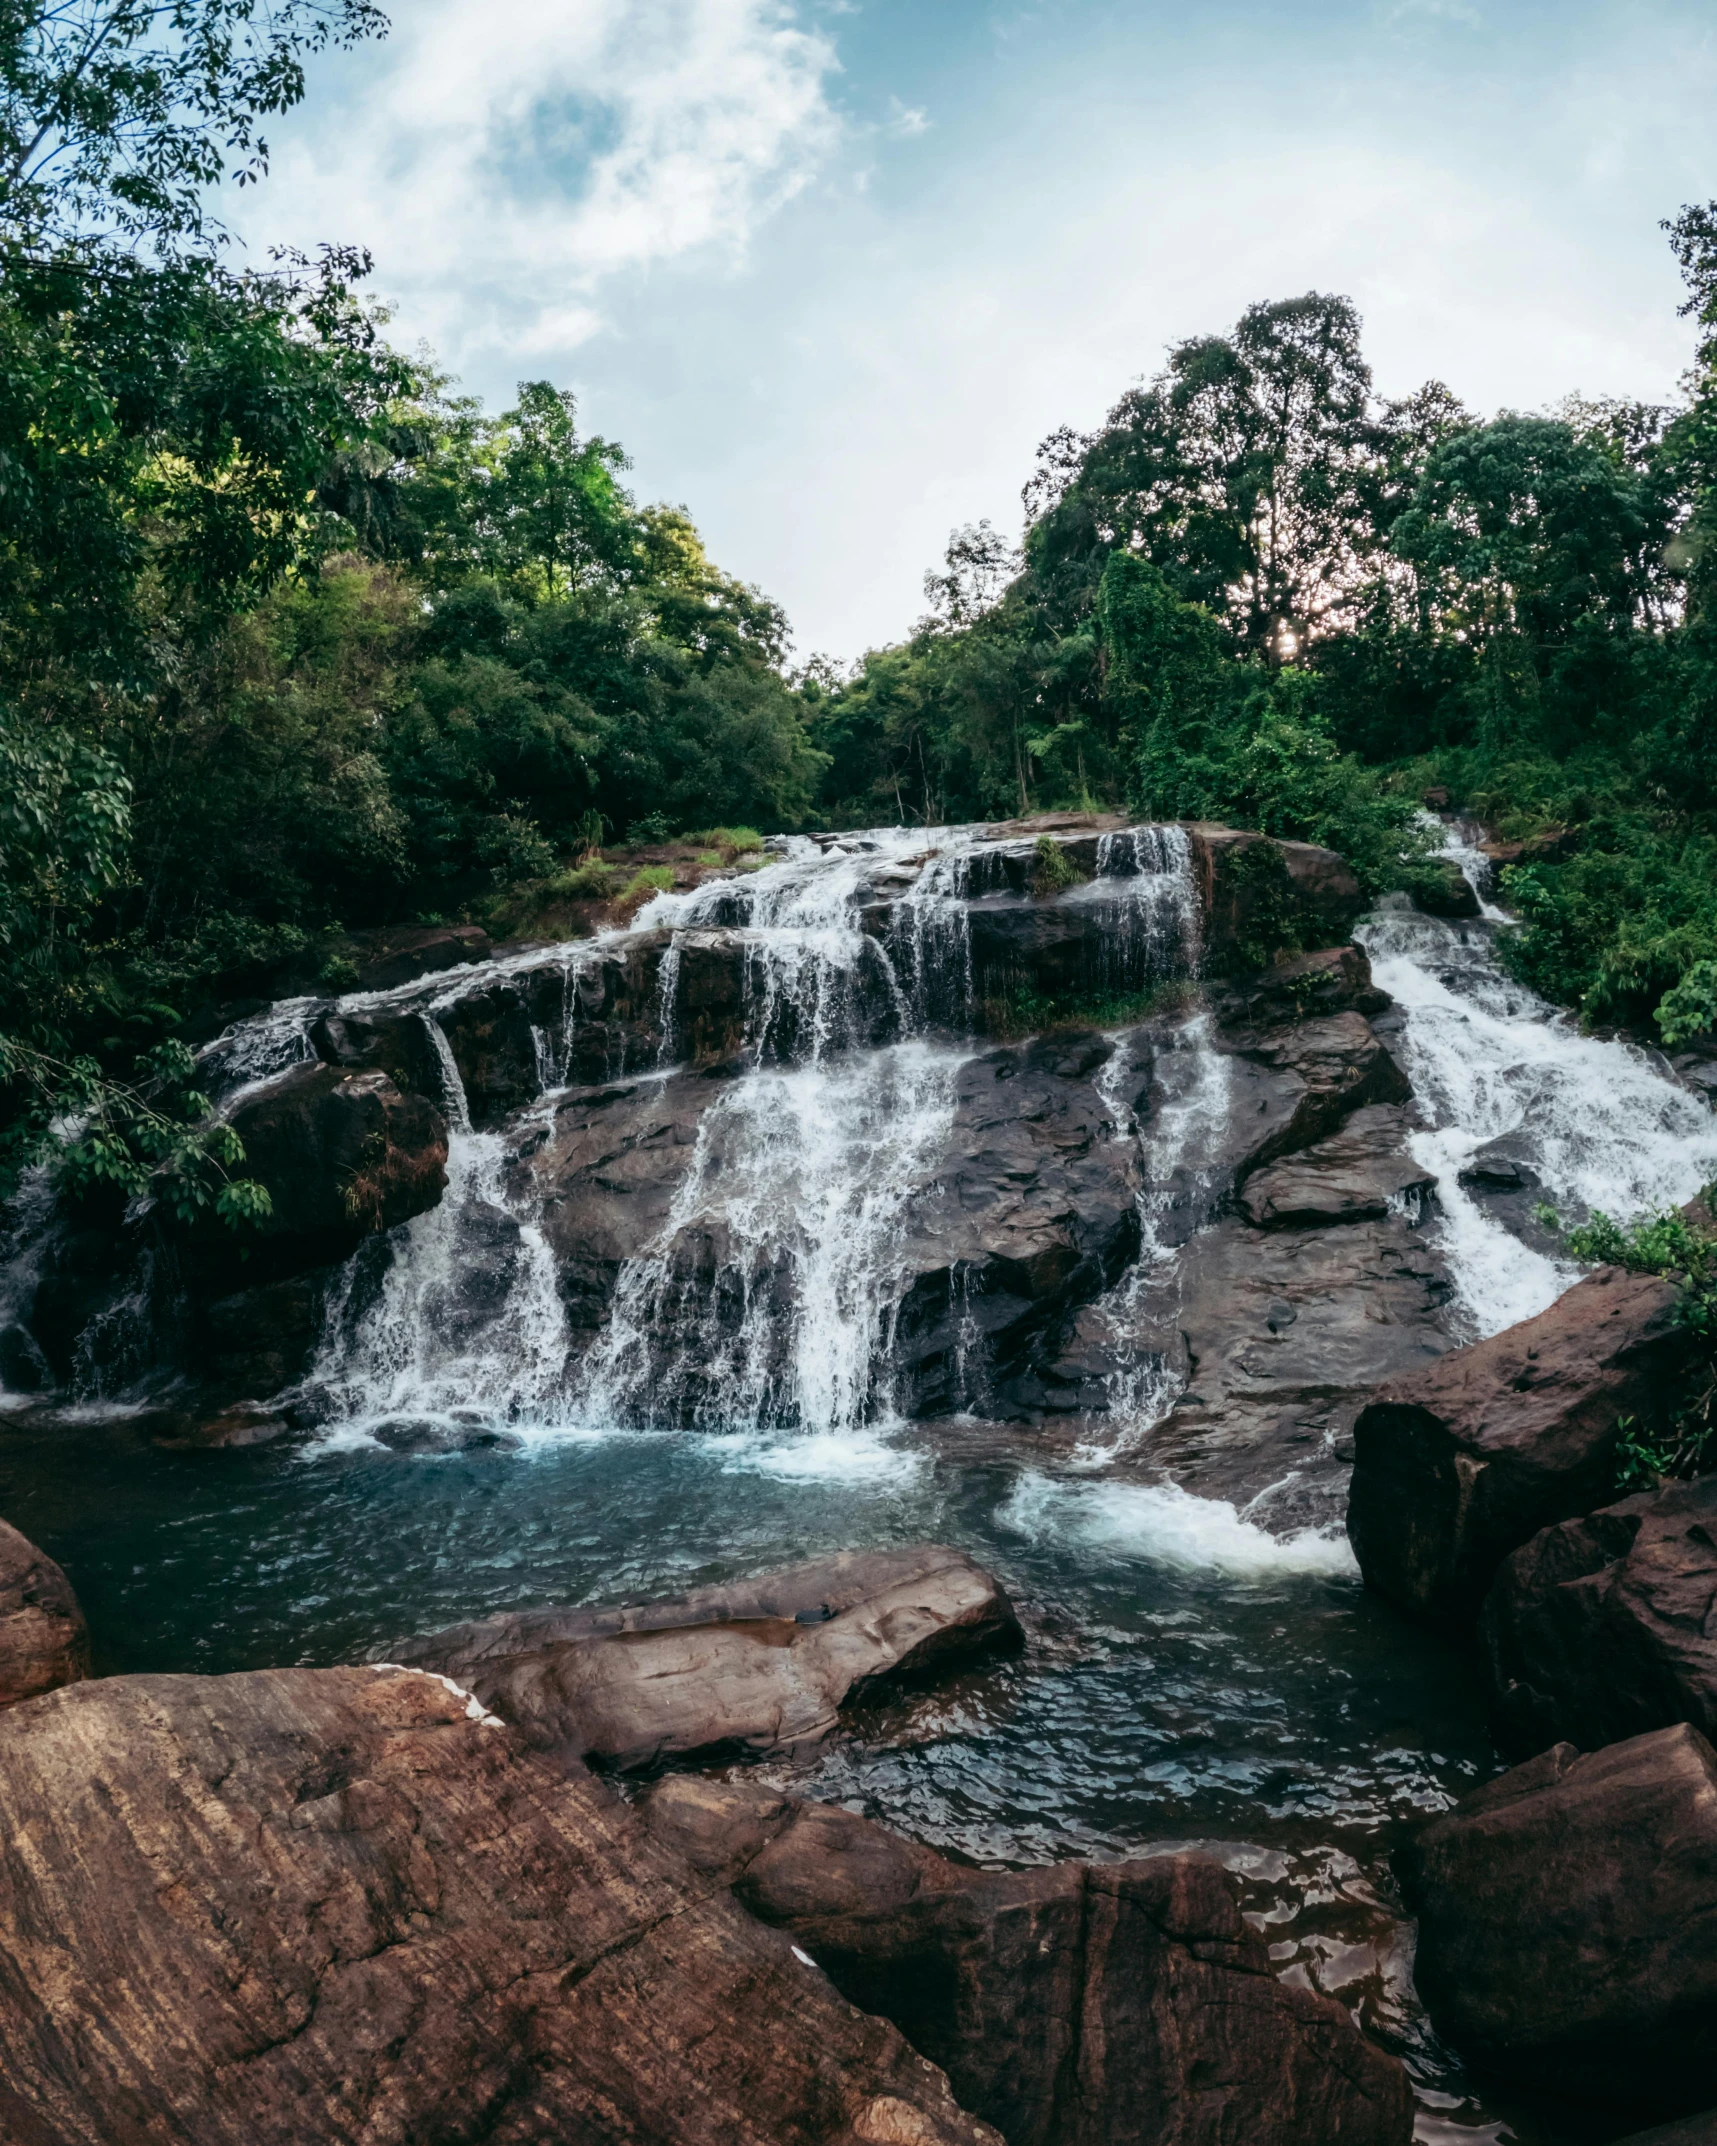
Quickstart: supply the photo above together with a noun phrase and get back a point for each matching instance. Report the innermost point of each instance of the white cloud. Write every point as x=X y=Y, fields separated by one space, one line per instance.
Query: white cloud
x=510 y=159
x=906 y=119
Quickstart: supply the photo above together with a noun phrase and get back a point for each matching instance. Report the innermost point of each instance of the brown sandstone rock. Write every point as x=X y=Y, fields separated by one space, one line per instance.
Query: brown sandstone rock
x=1604 y=1627
x=1566 y=1932
x=44 y=1641
x=1464 y=1461
x=754 y=1666
x=1312 y=894
x=1120 y=2004
x=304 y=1905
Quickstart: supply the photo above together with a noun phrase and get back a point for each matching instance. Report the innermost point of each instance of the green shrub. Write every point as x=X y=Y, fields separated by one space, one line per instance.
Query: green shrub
x=647 y=880
x=1691 y=1008
x=1052 y=869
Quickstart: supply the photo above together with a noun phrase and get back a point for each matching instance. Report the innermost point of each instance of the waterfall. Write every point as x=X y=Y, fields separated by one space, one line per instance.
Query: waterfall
x=769 y=1297
x=1593 y=1123
x=1176 y=1174
x=1145 y=878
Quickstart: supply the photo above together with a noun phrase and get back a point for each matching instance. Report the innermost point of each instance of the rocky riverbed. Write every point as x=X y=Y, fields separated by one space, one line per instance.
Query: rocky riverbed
x=989 y=1189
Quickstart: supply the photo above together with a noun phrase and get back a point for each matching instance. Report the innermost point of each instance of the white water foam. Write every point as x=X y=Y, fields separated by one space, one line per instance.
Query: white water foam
x=1599 y=1123
x=769 y=1296
x=1161 y=1524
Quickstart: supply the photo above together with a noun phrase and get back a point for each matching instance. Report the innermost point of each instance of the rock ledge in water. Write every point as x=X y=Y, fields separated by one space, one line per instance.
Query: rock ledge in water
x=754 y=1665
x=1087 y=2004
x=1464 y=1461
x=329 y=1904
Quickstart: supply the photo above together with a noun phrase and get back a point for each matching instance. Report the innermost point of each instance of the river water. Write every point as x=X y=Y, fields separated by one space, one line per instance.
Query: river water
x=1189 y=1678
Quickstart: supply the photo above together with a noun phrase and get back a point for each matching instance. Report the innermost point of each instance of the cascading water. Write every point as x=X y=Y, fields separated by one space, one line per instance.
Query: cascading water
x=1507 y=1087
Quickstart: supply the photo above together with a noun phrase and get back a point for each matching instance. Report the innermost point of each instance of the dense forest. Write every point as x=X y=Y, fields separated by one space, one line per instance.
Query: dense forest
x=296 y=640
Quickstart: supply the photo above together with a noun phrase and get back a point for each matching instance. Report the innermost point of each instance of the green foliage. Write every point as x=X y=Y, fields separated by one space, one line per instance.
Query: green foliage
x=1667 y=1243
x=1015 y=1014
x=1689 y=1010
x=155 y=1136
x=1052 y=869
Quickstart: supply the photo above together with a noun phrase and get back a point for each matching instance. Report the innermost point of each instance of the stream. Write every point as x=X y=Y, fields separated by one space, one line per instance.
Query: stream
x=1191 y=1677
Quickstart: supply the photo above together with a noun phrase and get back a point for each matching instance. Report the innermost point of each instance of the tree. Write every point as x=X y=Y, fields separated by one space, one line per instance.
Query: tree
x=117 y=117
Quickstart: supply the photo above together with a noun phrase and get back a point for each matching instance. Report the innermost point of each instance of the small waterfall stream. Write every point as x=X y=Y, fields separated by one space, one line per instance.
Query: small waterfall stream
x=1511 y=1093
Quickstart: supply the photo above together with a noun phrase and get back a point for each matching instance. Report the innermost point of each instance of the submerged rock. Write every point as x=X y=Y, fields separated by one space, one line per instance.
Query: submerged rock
x=1466 y=1460
x=1106 y=2004
x=44 y=1641
x=756 y=1665
x=297 y=1904
x=1604 y=1627
x=1566 y=1938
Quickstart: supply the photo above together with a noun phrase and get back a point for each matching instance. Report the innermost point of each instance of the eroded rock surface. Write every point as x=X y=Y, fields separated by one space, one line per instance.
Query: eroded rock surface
x=1566 y=1932
x=1464 y=1461
x=1606 y=1626
x=296 y=1905
x=1113 y=2004
x=754 y=1666
x=44 y=1641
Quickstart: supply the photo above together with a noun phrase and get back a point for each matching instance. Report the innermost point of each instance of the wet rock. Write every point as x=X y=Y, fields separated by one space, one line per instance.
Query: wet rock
x=301 y=1904
x=258 y=1340
x=1466 y=1460
x=424 y=1434
x=1325 y=1070
x=1445 y=891
x=1435 y=799
x=344 y=1155
x=754 y=1666
x=1566 y=1938
x=1360 y=1174
x=1336 y=979
x=244 y=1423
x=396 y=955
x=1601 y=1628
x=44 y=1641
x=1114 y=2004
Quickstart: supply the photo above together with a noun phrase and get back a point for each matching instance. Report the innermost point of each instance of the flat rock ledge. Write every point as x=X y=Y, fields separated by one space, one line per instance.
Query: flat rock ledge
x=740 y=1669
x=1086 y=2004
x=299 y=1905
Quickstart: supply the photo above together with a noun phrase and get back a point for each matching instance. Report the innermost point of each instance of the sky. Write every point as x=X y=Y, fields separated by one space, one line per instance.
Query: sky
x=831 y=270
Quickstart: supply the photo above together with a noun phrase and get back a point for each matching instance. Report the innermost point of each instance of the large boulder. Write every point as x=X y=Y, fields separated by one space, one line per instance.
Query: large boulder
x=1689 y=2131
x=1261 y=896
x=343 y=1154
x=1462 y=1462
x=754 y=1666
x=1603 y=1627
x=1109 y=2004
x=1566 y=1932
x=44 y=1641
x=298 y=1904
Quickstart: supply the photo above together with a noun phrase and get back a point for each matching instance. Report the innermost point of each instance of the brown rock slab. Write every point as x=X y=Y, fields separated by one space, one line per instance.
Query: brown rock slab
x=297 y=1905
x=1118 y=2004
x=1567 y=1937
x=750 y=1667
x=1690 y=2131
x=1604 y=1627
x=1462 y=1462
x=245 y=1423
x=44 y=1641
x=1357 y=1175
